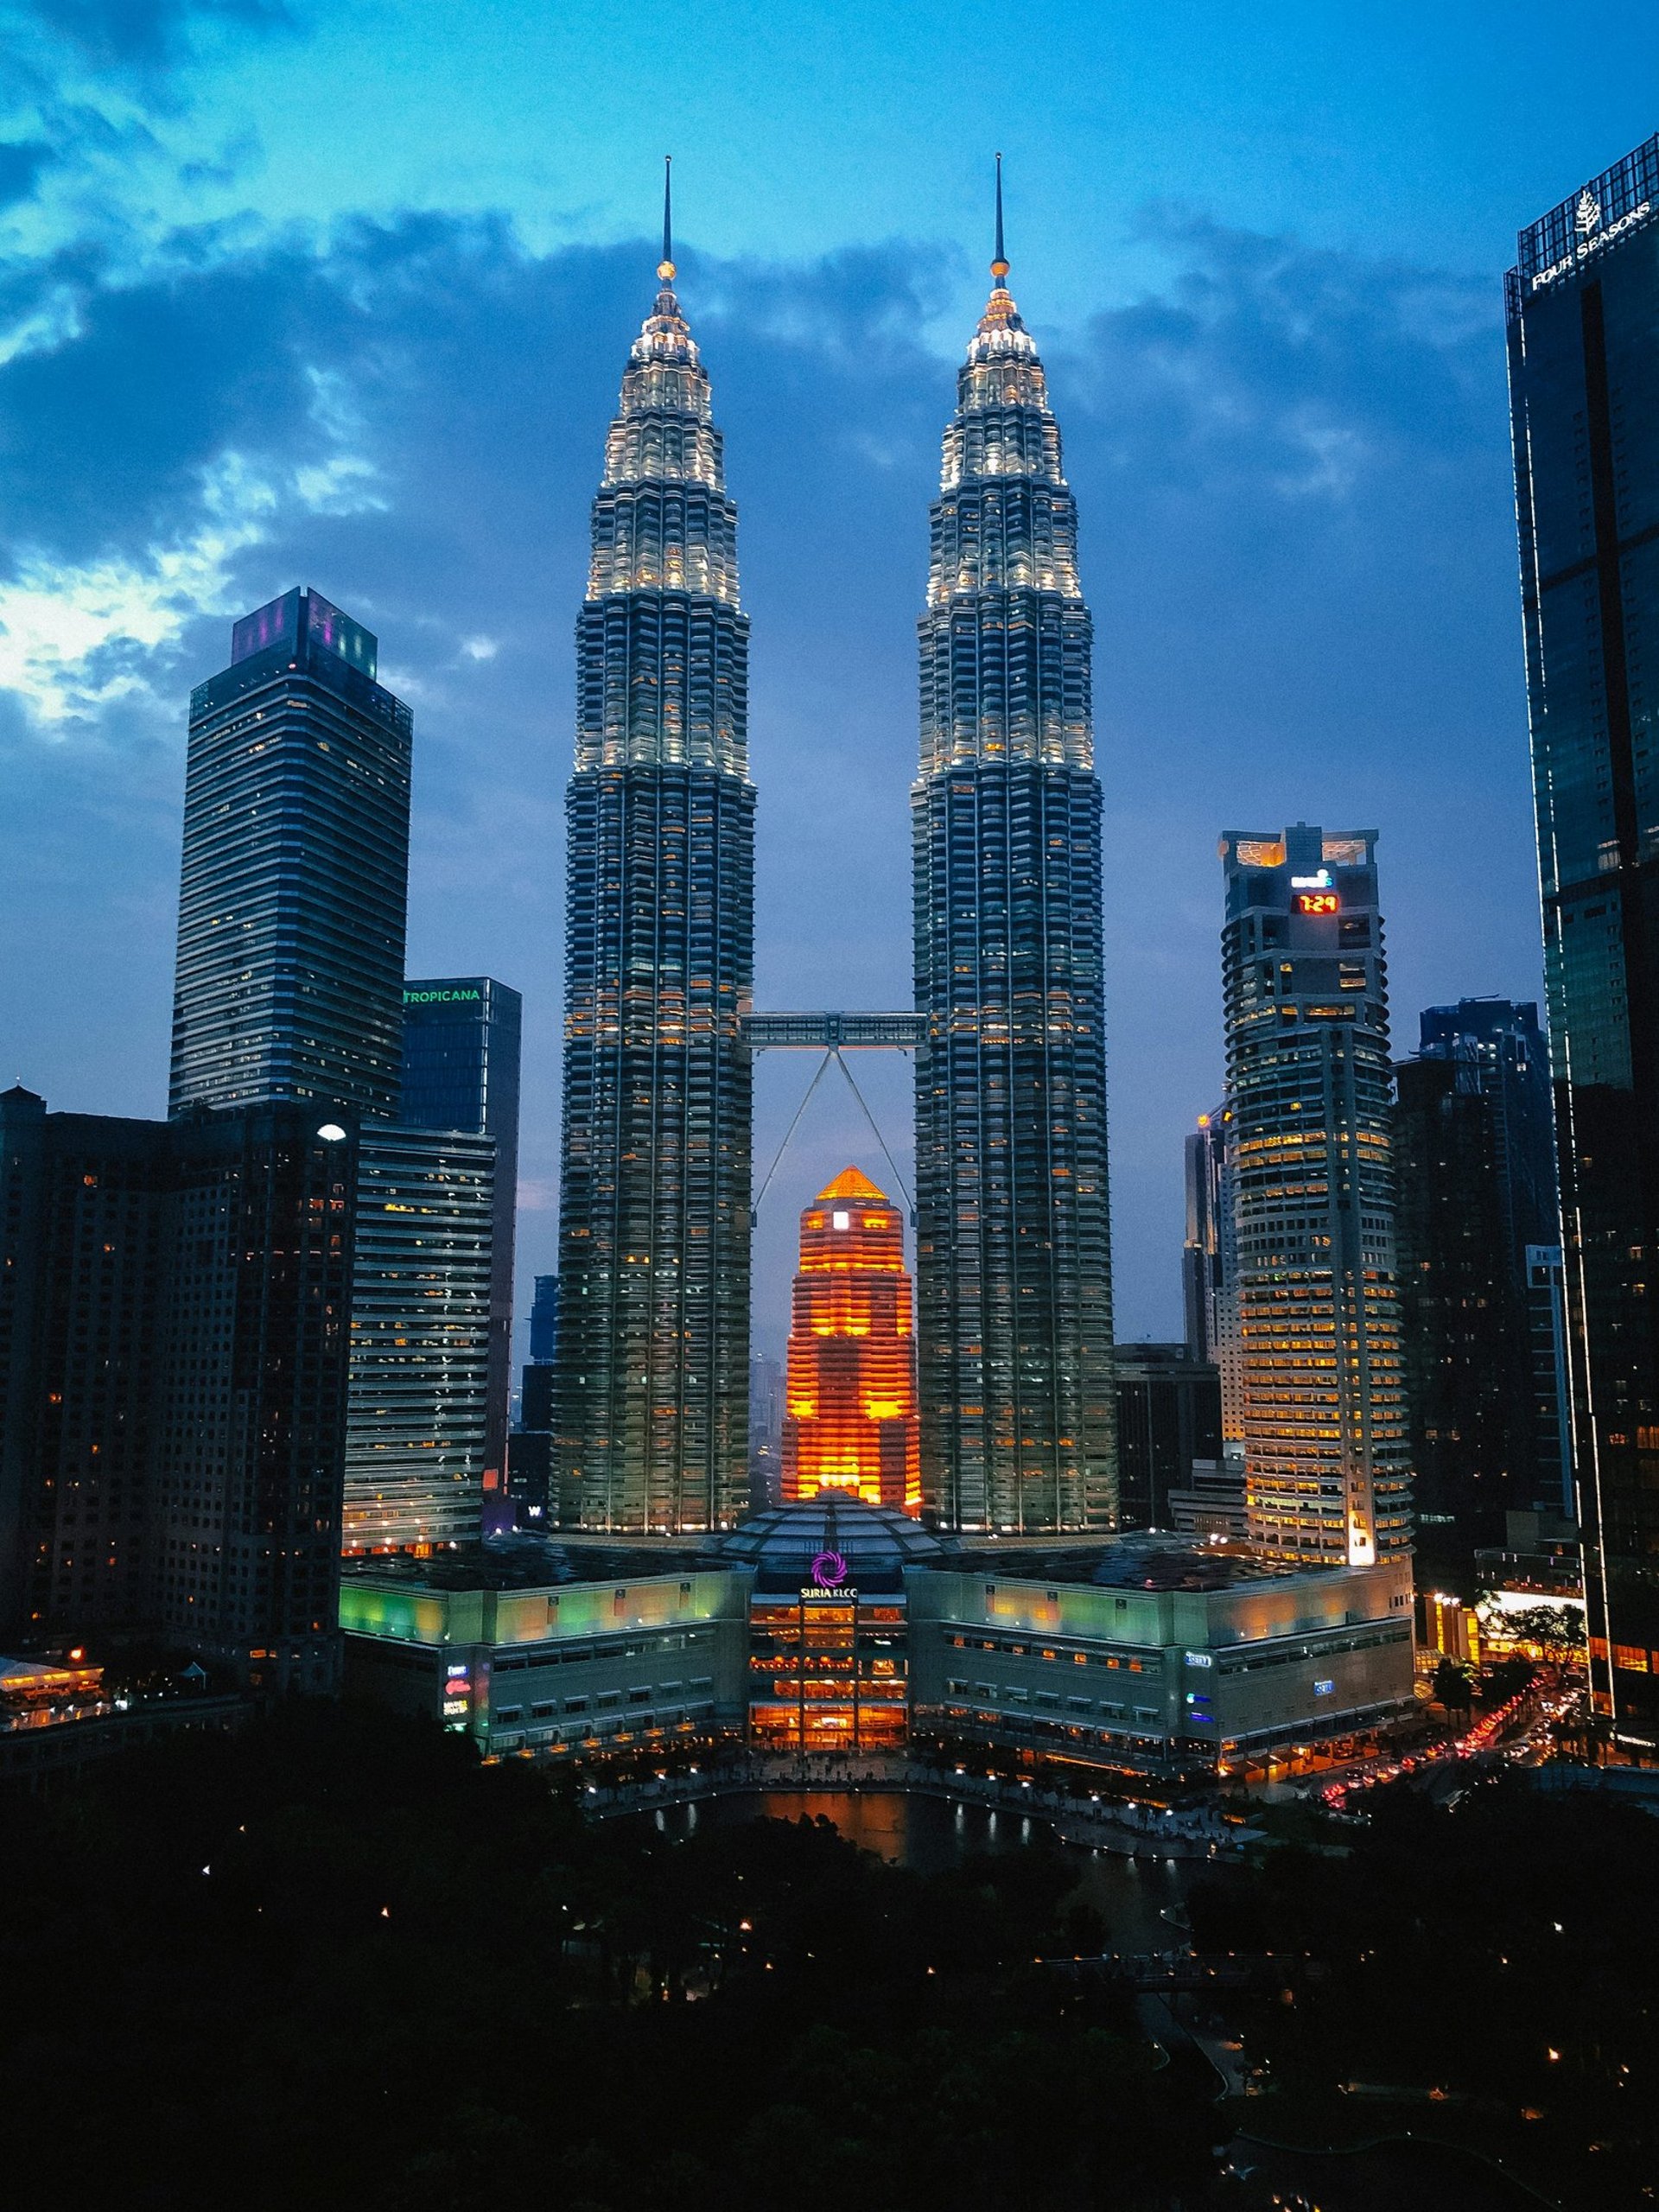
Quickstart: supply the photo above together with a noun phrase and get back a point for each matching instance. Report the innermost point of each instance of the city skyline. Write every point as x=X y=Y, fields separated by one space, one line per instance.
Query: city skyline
x=1172 y=522
x=712 y=1317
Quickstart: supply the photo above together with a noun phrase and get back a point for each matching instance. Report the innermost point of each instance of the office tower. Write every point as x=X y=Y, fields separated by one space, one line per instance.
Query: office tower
x=1584 y=366
x=849 y=1417
x=1203 y=1272
x=653 y=1381
x=173 y=1311
x=421 y=1293
x=1474 y=1160
x=530 y=1448
x=460 y=1072
x=1315 y=1301
x=1014 y=1254
x=1168 y=1415
x=766 y=1394
x=290 y=949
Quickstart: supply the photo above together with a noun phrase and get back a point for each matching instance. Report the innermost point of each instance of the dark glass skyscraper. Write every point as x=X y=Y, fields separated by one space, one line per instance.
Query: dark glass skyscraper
x=1474 y=1150
x=1583 y=303
x=1013 y=1251
x=174 y=1300
x=652 y=1367
x=290 y=949
x=460 y=1072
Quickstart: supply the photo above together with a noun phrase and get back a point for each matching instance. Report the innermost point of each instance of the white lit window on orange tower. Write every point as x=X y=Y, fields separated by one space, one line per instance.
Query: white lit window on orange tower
x=851 y=1392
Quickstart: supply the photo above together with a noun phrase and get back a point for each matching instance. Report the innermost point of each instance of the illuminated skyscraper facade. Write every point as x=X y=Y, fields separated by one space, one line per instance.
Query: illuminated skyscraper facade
x=422 y=1289
x=460 y=1072
x=652 y=1378
x=1583 y=304
x=849 y=1419
x=1316 y=1360
x=294 y=882
x=1014 y=1249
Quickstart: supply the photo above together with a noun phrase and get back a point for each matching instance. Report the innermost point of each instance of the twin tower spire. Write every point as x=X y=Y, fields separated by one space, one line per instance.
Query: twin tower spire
x=1013 y=1246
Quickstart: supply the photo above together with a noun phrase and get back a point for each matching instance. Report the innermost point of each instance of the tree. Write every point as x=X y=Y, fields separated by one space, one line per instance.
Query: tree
x=1555 y=1632
x=1454 y=1686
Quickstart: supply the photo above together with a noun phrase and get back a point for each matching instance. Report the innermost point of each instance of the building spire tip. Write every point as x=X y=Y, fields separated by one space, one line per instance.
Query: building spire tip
x=665 y=266
x=1000 y=266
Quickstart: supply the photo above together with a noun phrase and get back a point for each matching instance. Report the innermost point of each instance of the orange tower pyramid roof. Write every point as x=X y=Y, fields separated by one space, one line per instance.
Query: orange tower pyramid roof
x=852 y=1183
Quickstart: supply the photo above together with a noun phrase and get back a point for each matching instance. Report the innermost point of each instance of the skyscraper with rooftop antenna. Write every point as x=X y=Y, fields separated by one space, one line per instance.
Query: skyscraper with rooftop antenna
x=1014 y=1247
x=651 y=1379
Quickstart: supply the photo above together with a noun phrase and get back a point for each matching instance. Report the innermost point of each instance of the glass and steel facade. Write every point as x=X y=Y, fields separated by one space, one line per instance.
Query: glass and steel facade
x=831 y=1626
x=1583 y=313
x=1014 y=1250
x=1314 y=1305
x=460 y=1072
x=1474 y=1151
x=422 y=1336
x=294 y=888
x=652 y=1367
x=849 y=1418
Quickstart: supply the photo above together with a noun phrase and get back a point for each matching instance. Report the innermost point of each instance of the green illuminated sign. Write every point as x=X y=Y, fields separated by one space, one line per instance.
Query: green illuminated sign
x=440 y=998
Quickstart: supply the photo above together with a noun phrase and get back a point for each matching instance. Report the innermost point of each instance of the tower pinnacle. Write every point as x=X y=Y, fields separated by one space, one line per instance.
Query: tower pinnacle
x=665 y=266
x=999 y=266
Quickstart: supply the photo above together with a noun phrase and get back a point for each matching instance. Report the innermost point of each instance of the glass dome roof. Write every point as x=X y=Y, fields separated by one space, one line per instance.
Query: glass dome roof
x=787 y=1544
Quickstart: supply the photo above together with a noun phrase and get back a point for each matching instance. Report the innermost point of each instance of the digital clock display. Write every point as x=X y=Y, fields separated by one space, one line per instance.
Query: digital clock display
x=1316 y=902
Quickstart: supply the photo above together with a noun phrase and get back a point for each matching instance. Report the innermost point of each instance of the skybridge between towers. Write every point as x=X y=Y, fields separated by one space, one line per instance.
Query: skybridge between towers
x=833 y=1032
x=831 y=1035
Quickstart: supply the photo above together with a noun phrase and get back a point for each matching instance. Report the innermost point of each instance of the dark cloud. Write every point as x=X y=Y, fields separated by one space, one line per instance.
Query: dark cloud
x=21 y=163
x=1298 y=544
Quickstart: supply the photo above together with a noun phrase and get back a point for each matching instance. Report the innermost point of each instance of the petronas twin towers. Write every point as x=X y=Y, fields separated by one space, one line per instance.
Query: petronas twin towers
x=1014 y=1261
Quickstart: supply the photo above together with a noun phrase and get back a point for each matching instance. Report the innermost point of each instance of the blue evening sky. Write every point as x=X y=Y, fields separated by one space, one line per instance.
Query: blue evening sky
x=291 y=293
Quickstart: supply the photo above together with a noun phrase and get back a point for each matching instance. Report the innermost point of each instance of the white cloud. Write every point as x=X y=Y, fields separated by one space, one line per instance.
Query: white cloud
x=339 y=487
x=74 y=638
x=68 y=634
x=480 y=648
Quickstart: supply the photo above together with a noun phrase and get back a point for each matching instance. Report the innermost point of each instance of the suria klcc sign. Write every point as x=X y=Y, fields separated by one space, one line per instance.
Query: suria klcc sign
x=828 y=1577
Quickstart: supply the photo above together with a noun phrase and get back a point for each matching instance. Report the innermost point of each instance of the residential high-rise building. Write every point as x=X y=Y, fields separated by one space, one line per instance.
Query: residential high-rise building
x=1583 y=300
x=1474 y=1151
x=1168 y=1416
x=294 y=888
x=1203 y=1252
x=652 y=1377
x=83 y=1226
x=421 y=1293
x=544 y=1320
x=1314 y=1300
x=1013 y=1249
x=530 y=1448
x=460 y=1072
x=251 y=1389
x=173 y=1311
x=1551 y=1397
x=765 y=1431
x=849 y=1403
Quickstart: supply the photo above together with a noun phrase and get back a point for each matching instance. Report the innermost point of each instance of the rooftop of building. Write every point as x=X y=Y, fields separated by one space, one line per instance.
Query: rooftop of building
x=836 y=1540
x=527 y=1561
x=1148 y=1559
x=829 y=1540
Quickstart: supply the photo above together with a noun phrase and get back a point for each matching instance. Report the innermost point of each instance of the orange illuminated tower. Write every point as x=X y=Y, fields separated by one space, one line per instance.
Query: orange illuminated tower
x=850 y=1413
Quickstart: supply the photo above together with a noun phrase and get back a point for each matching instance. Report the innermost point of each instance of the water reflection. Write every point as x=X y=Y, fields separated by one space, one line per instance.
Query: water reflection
x=931 y=1833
